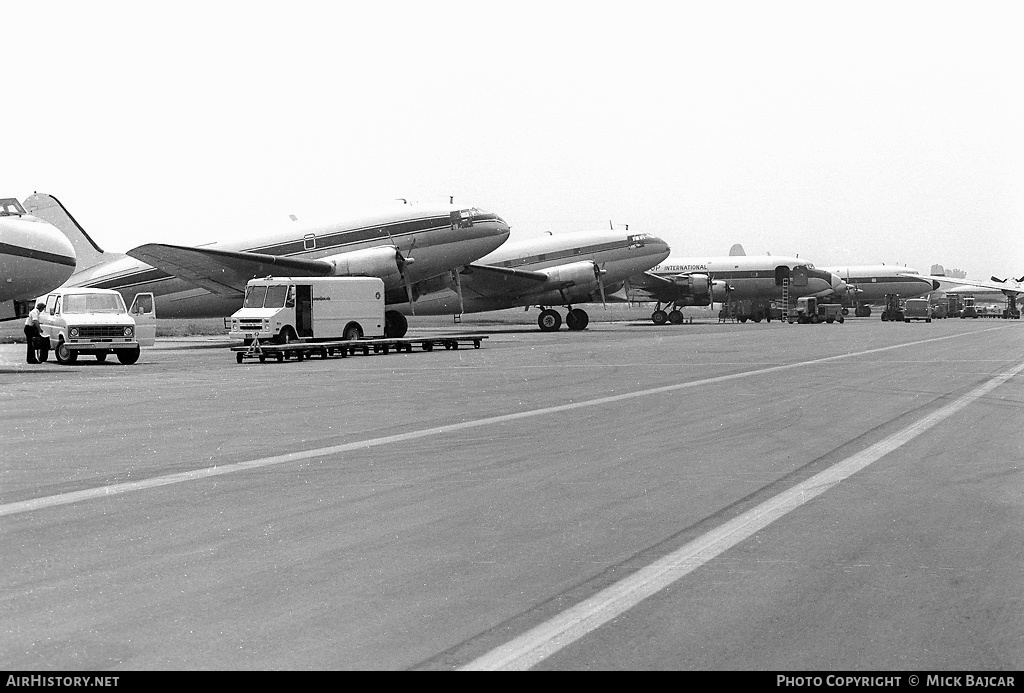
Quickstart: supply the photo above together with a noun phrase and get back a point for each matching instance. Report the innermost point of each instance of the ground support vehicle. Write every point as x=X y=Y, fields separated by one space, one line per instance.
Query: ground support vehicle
x=298 y=351
x=292 y=309
x=893 y=312
x=917 y=309
x=969 y=309
x=94 y=322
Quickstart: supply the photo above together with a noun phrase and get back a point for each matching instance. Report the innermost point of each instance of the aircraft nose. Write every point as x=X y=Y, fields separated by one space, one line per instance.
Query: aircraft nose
x=839 y=286
x=660 y=247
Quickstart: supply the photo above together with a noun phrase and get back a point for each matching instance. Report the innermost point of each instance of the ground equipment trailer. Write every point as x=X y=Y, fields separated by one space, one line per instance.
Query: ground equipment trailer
x=349 y=347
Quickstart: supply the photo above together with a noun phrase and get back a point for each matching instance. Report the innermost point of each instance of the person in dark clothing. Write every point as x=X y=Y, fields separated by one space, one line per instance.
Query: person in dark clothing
x=32 y=331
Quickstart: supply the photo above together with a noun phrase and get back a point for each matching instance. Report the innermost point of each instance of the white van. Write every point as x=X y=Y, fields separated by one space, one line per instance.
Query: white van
x=290 y=309
x=94 y=321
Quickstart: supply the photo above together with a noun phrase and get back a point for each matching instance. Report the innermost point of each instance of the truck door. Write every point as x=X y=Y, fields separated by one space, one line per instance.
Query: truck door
x=143 y=310
x=304 y=310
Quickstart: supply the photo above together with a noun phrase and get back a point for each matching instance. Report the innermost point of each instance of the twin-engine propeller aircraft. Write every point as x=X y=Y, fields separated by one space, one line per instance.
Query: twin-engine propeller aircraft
x=562 y=269
x=748 y=284
x=402 y=245
x=871 y=283
x=34 y=258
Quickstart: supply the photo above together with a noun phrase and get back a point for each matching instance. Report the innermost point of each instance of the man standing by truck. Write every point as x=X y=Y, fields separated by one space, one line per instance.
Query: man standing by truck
x=32 y=331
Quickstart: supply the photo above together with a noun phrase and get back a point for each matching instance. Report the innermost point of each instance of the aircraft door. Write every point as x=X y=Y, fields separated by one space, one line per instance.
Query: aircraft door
x=781 y=273
x=304 y=310
x=143 y=311
x=799 y=275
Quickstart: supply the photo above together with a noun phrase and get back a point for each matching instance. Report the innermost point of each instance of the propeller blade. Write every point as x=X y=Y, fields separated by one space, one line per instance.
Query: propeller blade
x=600 y=283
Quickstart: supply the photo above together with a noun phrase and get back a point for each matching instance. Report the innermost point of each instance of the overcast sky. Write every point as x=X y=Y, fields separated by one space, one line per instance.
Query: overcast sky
x=854 y=132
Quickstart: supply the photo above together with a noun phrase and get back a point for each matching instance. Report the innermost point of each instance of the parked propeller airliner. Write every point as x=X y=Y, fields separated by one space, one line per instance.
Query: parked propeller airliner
x=747 y=283
x=871 y=283
x=402 y=245
x=561 y=269
x=1011 y=290
x=35 y=257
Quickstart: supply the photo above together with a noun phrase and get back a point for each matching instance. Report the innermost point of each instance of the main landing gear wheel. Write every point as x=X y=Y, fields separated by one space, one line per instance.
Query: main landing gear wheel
x=577 y=319
x=549 y=320
x=659 y=317
x=395 y=325
x=675 y=317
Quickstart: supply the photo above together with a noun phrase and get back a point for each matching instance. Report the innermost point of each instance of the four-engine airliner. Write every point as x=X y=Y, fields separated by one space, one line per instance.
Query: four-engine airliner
x=402 y=245
x=749 y=283
x=35 y=257
x=871 y=283
x=553 y=270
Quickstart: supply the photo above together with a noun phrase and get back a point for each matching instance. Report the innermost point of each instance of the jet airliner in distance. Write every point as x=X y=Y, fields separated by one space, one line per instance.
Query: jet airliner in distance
x=748 y=284
x=553 y=270
x=402 y=244
x=35 y=257
x=871 y=283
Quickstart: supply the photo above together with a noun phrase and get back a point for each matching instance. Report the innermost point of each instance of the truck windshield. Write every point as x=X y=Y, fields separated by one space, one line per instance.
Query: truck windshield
x=275 y=296
x=93 y=303
x=254 y=296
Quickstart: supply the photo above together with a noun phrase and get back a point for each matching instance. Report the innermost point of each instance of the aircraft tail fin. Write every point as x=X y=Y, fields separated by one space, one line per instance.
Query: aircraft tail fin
x=49 y=209
x=737 y=249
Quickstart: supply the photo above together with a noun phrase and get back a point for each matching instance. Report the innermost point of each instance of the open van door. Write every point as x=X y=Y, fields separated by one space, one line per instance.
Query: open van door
x=144 y=311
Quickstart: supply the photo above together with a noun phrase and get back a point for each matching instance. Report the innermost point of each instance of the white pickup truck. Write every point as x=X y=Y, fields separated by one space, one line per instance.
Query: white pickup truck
x=94 y=321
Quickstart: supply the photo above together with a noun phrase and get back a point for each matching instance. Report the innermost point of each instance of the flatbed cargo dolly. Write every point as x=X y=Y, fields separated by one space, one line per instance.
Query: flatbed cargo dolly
x=350 y=347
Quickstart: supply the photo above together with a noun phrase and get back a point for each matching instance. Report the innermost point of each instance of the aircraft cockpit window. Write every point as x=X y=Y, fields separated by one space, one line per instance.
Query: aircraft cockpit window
x=9 y=206
x=462 y=219
x=275 y=296
x=254 y=296
x=637 y=240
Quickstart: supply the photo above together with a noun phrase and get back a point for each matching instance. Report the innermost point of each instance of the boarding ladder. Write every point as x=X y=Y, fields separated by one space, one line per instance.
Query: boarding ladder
x=785 y=298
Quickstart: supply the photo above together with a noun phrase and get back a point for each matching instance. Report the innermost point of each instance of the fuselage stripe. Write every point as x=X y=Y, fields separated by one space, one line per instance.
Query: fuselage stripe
x=33 y=254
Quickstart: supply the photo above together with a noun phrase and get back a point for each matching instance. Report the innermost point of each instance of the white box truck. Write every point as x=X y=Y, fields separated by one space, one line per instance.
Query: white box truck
x=291 y=309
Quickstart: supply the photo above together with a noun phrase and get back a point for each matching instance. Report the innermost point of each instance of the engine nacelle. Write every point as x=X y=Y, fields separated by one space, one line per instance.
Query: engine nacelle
x=382 y=261
x=582 y=274
x=720 y=291
x=692 y=289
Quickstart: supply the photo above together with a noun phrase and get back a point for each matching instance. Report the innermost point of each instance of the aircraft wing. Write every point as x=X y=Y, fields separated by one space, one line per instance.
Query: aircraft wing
x=224 y=272
x=966 y=285
x=491 y=281
x=651 y=287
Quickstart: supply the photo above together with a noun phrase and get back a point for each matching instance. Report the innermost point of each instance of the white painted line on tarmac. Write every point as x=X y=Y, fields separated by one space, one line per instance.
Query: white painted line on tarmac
x=207 y=472
x=551 y=636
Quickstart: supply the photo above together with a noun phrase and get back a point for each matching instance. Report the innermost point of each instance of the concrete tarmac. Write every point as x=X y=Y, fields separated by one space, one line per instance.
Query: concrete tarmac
x=425 y=510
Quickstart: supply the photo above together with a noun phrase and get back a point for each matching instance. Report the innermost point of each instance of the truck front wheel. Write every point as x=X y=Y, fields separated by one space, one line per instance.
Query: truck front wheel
x=129 y=356
x=64 y=354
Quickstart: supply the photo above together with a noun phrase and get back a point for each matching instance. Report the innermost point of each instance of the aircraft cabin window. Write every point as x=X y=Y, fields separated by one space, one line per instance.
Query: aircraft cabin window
x=309 y=241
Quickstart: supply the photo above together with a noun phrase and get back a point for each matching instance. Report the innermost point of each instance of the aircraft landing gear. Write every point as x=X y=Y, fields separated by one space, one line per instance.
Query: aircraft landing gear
x=577 y=319
x=549 y=320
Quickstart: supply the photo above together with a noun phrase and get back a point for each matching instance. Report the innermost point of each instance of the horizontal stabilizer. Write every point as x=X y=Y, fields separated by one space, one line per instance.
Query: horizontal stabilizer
x=224 y=272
